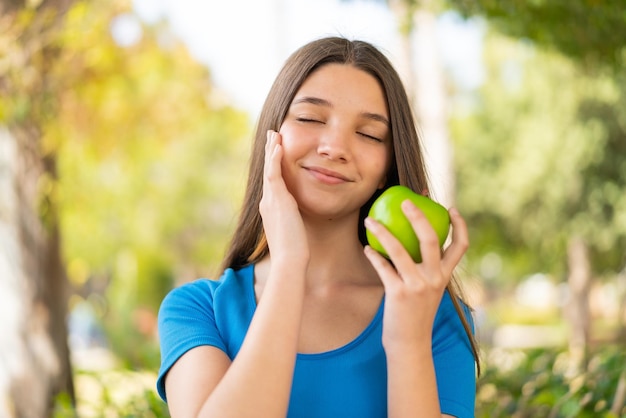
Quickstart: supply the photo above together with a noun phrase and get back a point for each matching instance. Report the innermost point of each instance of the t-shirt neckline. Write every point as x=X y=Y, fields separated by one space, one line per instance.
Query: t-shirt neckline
x=374 y=323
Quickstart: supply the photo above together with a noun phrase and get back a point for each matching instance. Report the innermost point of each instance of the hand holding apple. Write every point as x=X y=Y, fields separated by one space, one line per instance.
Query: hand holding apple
x=387 y=211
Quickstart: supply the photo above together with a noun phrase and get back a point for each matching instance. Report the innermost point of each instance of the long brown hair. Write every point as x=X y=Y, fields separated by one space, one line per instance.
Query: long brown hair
x=248 y=244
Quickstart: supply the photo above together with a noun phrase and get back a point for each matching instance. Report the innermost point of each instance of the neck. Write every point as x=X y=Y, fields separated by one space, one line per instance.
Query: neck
x=336 y=254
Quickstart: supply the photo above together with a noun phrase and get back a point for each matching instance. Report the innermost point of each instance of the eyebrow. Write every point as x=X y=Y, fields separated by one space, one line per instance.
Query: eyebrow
x=322 y=102
x=313 y=100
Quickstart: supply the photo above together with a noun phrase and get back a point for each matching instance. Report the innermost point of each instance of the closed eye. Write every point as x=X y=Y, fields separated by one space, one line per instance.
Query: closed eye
x=370 y=137
x=309 y=120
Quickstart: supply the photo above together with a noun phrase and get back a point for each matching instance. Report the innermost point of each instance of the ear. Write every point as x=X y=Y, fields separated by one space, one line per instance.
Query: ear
x=425 y=192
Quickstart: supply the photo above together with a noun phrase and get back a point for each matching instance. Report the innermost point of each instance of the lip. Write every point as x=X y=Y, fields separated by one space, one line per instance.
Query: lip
x=327 y=176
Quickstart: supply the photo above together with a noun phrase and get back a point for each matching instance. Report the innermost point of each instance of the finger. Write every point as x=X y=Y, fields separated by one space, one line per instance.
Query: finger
x=394 y=248
x=459 y=245
x=273 y=155
x=386 y=272
x=267 y=151
x=428 y=240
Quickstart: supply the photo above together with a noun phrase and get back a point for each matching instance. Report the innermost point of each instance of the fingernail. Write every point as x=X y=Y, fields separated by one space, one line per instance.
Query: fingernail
x=408 y=205
x=369 y=222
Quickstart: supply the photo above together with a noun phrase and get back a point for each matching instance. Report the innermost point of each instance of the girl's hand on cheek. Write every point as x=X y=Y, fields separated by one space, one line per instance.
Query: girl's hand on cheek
x=413 y=291
x=282 y=221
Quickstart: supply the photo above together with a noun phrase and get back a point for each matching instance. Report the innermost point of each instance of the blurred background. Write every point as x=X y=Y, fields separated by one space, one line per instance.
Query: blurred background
x=125 y=129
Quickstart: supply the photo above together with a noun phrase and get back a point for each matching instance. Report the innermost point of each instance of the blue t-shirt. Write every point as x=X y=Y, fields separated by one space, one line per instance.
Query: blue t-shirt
x=350 y=381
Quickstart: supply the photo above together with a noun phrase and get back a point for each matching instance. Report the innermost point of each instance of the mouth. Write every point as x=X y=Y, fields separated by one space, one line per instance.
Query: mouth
x=327 y=176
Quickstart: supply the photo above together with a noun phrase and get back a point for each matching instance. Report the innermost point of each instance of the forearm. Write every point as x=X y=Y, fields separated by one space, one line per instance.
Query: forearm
x=412 y=385
x=258 y=383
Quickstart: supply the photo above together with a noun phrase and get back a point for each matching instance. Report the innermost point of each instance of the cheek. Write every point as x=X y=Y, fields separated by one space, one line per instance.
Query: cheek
x=381 y=167
x=288 y=140
x=291 y=151
x=292 y=140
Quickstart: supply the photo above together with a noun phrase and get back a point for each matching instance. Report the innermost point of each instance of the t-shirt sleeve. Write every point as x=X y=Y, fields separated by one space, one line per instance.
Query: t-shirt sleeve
x=455 y=365
x=186 y=320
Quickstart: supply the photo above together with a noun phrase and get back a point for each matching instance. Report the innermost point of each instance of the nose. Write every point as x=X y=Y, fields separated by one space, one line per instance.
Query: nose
x=334 y=144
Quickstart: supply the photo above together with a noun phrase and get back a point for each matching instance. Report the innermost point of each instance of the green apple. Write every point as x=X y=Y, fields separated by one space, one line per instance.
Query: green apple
x=386 y=210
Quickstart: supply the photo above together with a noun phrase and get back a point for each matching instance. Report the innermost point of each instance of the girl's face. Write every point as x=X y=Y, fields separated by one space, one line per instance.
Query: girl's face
x=336 y=139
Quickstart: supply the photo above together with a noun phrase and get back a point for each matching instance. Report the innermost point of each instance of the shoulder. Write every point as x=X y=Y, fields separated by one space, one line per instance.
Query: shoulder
x=200 y=294
x=453 y=357
x=449 y=331
x=448 y=313
x=200 y=312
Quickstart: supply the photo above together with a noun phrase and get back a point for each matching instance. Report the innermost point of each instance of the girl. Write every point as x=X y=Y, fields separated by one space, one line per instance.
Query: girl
x=307 y=320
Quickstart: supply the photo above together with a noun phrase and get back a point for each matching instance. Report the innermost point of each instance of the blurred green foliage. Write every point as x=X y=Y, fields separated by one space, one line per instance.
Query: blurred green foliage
x=150 y=158
x=118 y=393
x=539 y=152
x=590 y=31
x=537 y=383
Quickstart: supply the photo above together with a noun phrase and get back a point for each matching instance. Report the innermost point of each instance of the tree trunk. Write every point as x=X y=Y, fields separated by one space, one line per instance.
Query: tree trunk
x=579 y=284
x=422 y=72
x=405 y=62
x=432 y=107
x=621 y=311
x=34 y=354
x=35 y=364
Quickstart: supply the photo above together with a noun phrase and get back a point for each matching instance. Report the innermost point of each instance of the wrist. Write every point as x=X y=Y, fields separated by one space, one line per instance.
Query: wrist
x=293 y=263
x=403 y=350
